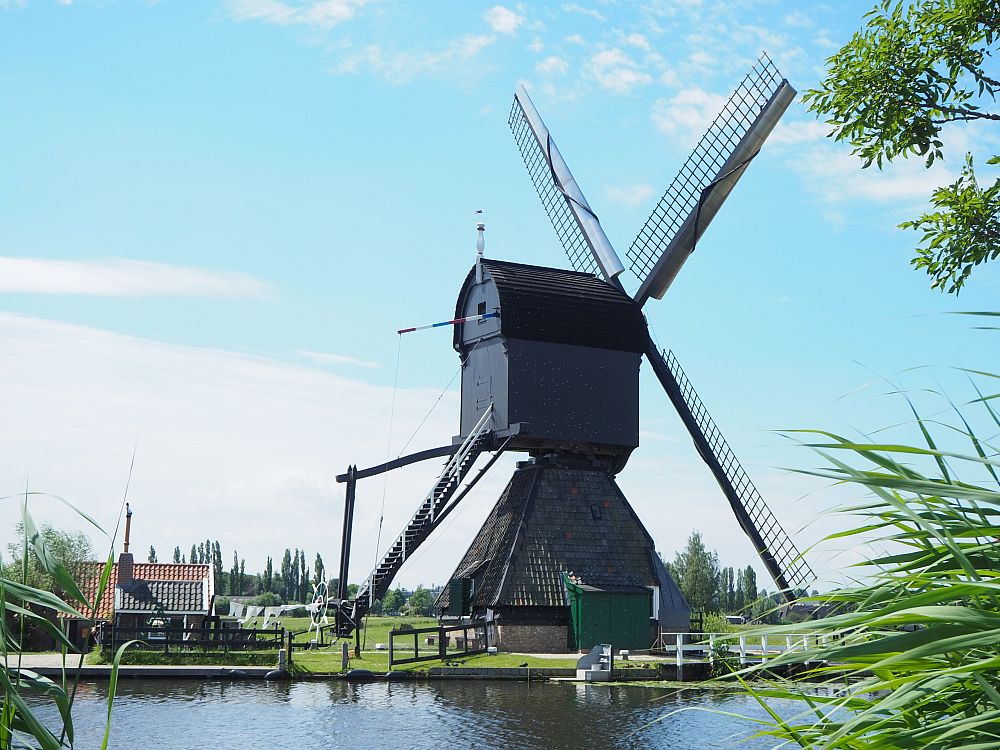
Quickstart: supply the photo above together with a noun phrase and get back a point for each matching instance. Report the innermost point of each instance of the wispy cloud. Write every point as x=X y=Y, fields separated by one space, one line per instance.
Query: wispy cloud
x=836 y=176
x=323 y=14
x=687 y=114
x=325 y=358
x=576 y=8
x=552 y=65
x=401 y=67
x=629 y=195
x=503 y=20
x=121 y=277
x=790 y=132
x=614 y=70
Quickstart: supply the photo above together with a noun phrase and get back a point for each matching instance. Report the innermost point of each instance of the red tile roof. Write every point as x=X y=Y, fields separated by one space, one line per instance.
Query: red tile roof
x=89 y=578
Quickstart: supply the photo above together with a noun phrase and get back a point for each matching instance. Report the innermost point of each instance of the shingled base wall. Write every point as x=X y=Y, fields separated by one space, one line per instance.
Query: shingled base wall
x=533 y=639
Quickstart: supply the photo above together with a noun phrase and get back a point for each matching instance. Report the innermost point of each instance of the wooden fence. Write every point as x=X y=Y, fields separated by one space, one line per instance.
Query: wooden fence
x=438 y=642
x=176 y=640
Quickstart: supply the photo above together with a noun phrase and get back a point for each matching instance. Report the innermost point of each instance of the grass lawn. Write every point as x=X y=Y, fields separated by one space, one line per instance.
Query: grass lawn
x=327 y=660
x=376 y=629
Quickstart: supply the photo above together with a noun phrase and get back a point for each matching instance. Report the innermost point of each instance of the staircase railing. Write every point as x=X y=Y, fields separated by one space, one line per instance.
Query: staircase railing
x=425 y=518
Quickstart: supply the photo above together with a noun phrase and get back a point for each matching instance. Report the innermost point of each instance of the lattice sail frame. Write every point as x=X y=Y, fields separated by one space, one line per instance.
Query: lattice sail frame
x=786 y=561
x=715 y=164
x=538 y=160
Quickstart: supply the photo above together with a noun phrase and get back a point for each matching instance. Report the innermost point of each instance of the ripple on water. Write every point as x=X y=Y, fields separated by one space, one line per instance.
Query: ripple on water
x=508 y=715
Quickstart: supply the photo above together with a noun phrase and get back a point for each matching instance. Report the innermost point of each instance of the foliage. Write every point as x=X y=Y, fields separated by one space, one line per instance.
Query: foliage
x=963 y=232
x=912 y=69
x=217 y=658
x=696 y=571
x=420 y=602
x=267 y=599
x=23 y=691
x=716 y=623
x=920 y=638
x=393 y=601
x=68 y=548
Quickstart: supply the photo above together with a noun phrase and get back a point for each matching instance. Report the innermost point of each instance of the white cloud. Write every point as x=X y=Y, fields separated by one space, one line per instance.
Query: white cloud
x=402 y=67
x=798 y=19
x=637 y=40
x=502 y=20
x=687 y=114
x=323 y=14
x=537 y=45
x=230 y=446
x=576 y=8
x=798 y=131
x=629 y=195
x=836 y=176
x=121 y=277
x=552 y=66
x=325 y=358
x=575 y=39
x=616 y=71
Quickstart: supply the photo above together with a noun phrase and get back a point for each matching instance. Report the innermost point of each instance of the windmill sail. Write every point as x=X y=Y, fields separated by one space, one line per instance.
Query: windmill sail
x=777 y=551
x=575 y=222
x=707 y=177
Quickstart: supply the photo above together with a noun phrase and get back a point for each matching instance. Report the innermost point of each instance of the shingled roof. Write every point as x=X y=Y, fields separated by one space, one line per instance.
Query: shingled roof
x=168 y=596
x=89 y=577
x=552 y=520
x=560 y=306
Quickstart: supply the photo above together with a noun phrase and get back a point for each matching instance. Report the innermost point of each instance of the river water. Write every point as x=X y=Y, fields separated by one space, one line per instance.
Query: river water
x=461 y=714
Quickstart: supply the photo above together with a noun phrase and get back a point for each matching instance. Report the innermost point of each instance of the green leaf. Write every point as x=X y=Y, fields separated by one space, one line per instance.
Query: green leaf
x=112 y=689
x=48 y=562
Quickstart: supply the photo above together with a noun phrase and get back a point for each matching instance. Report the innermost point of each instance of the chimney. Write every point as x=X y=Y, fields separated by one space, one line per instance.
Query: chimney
x=125 y=558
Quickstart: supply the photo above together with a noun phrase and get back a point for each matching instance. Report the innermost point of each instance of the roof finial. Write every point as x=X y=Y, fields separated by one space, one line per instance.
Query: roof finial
x=128 y=524
x=480 y=245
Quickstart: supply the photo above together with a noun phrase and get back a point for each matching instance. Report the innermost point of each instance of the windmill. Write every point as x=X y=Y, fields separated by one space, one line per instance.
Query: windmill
x=550 y=368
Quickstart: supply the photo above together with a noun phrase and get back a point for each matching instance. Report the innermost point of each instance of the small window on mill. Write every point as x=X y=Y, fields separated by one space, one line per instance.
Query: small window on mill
x=481 y=310
x=595 y=511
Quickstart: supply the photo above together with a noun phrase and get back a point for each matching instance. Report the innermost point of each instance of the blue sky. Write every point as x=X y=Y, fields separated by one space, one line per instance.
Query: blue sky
x=215 y=216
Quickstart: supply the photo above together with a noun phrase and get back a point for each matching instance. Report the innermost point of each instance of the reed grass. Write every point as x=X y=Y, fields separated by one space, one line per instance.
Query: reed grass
x=24 y=690
x=912 y=659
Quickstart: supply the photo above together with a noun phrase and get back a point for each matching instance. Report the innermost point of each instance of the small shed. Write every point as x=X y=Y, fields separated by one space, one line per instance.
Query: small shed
x=618 y=615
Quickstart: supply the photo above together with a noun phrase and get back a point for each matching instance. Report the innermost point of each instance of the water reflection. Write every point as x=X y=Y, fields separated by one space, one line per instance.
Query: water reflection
x=509 y=715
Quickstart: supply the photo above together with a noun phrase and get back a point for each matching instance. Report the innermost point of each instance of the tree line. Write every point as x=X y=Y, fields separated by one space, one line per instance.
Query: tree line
x=713 y=589
x=292 y=581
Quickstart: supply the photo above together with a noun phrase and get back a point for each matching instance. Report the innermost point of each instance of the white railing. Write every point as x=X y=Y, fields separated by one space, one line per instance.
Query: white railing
x=750 y=649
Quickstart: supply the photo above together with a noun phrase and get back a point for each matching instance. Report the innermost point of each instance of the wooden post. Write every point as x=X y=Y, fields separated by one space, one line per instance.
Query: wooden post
x=743 y=649
x=442 y=645
x=357 y=643
x=416 y=645
x=392 y=643
x=763 y=648
x=788 y=643
x=679 y=641
x=291 y=638
x=344 y=658
x=711 y=648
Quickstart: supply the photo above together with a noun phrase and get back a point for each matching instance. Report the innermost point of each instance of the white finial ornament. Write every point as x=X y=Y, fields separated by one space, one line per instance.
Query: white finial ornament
x=480 y=245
